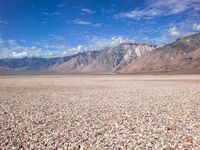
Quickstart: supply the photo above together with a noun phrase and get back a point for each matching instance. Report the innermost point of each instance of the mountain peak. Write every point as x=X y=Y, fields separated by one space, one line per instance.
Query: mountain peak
x=179 y=56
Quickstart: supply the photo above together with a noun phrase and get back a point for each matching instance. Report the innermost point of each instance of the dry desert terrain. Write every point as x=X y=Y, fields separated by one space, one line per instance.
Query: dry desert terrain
x=100 y=112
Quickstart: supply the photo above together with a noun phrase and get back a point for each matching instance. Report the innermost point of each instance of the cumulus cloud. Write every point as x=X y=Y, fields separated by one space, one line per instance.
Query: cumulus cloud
x=16 y=50
x=88 y=11
x=173 y=31
x=13 y=49
x=119 y=39
x=19 y=54
x=196 y=27
x=75 y=50
x=97 y=43
x=162 y=8
x=28 y=52
x=47 y=51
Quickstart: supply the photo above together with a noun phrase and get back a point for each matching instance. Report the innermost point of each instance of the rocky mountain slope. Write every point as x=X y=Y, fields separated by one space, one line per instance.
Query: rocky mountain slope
x=31 y=65
x=27 y=63
x=107 y=60
x=181 y=56
x=104 y=61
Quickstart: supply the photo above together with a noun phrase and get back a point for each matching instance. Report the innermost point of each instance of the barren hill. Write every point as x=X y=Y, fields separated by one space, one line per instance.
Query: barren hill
x=181 y=56
x=106 y=60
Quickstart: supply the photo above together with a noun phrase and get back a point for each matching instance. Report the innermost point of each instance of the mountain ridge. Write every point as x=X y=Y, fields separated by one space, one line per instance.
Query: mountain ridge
x=166 y=58
x=180 y=56
x=105 y=60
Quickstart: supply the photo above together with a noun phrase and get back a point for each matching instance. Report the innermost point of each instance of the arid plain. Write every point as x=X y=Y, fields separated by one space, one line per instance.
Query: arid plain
x=100 y=112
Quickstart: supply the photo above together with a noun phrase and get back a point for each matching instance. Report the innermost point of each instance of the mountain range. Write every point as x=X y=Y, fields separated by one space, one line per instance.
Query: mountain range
x=179 y=57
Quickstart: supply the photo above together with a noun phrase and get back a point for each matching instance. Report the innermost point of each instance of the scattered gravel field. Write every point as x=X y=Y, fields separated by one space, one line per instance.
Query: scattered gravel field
x=95 y=112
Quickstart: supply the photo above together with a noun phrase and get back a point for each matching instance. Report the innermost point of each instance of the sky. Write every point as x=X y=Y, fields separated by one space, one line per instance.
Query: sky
x=52 y=28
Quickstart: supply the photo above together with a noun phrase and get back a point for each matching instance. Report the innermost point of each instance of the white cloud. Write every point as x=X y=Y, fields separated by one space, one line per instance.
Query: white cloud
x=75 y=50
x=51 y=14
x=98 y=25
x=28 y=52
x=1 y=42
x=56 y=37
x=82 y=22
x=97 y=43
x=12 y=42
x=88 y=11
x=15 y=50
x=162 y=8
x=12 y=49
x=54 y=46
x=173 y=31
x=58 y=50
x=62 y=5
x=3 y=21
x=119 y=39
x=196 y=27
x=19 y=54
x=108 y=11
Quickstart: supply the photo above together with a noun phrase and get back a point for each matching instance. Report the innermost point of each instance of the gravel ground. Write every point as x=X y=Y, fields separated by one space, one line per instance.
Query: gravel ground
x=100 y=112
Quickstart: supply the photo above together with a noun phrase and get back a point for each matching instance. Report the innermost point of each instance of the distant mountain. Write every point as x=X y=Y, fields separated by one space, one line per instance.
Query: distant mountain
x=181 y=56
x=107 y=60
x=26 y=64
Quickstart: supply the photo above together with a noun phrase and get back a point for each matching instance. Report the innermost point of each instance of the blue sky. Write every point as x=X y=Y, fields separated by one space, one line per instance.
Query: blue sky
x=49 y=28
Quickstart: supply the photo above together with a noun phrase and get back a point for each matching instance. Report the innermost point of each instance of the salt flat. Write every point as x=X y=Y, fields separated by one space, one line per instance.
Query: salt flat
x=100 y=112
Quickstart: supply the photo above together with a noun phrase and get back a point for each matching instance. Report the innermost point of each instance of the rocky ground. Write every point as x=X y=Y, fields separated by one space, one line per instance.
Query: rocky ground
x=100 y=112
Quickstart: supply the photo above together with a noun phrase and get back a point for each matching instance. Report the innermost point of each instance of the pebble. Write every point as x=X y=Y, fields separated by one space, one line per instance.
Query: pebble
x=100 y=112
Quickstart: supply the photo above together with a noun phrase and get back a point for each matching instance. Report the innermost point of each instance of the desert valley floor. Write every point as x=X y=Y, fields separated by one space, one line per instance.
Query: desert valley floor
x=100 y=112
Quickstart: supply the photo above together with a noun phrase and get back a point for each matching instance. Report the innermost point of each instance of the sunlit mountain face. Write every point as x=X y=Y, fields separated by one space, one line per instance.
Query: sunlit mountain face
x=57 y=28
